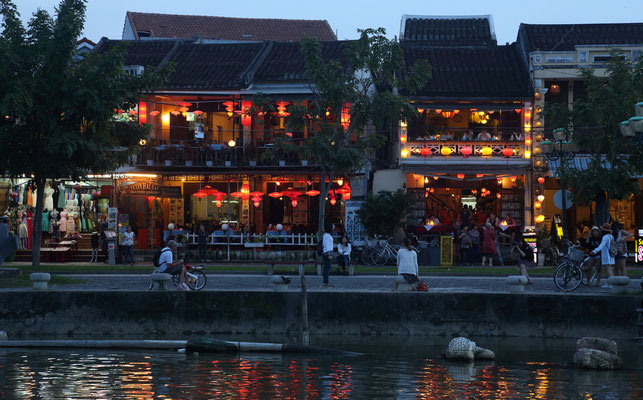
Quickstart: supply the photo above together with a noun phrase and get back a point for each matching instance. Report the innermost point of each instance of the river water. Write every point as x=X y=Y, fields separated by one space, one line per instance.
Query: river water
x=406 y=368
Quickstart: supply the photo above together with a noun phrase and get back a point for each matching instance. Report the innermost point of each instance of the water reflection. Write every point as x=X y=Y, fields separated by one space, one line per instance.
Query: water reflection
x=52 y=374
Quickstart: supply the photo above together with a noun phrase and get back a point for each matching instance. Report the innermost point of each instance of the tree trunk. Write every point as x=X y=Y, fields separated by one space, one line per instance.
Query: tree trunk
x=601 y=215
x=324 y=189
x=37 y=222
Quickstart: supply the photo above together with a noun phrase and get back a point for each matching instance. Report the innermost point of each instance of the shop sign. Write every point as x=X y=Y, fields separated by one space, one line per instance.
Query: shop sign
x=446 y=251
x=149 y=189
x=112 y=215
x=354 y=228
x=638 y=248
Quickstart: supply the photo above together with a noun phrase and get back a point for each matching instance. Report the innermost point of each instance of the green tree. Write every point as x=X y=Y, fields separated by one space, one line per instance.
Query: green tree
x=365 y=84
x=384 y=214
x=58 y=110
x=593 y=123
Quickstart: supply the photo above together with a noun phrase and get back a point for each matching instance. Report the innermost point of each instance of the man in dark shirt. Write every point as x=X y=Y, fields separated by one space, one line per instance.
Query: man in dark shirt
x=203 y=242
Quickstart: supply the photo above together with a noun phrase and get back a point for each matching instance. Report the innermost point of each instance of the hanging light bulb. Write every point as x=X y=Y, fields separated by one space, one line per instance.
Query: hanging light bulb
x=541 y=198
x=340 y=181
x=426 y=179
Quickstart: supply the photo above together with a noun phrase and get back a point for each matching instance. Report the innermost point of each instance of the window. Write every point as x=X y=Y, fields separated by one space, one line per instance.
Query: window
x=600 y=58
x=134 y=70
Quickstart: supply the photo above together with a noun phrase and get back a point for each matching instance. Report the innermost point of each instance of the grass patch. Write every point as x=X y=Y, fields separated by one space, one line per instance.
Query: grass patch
x=24 y=281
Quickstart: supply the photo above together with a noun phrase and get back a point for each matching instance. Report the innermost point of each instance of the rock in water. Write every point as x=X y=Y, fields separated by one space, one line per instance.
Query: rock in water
x=596 y=359
x=480 y=353
x=597 y=343
x=461 y=349
x=3 y=336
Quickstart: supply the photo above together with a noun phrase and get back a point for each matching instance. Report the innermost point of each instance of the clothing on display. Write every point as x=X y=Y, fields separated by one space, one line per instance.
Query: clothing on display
x=49 y=199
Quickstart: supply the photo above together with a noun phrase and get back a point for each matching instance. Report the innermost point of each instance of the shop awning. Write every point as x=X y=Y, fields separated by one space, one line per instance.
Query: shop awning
x=580 y=162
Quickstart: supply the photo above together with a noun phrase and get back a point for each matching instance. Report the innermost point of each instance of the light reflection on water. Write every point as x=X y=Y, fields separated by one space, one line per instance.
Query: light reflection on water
x=56 y=374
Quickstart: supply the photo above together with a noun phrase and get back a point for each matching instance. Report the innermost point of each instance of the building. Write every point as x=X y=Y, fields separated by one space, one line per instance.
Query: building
x=472 y=143
x=149 y=26
x=555 y=55
x=210 y=159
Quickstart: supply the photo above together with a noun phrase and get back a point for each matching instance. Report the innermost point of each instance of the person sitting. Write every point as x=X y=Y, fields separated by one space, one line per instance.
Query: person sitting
x=526 y=259
x=169 y=266
x=484 y=136
x=344 y=257
x=516 y=136
x=468 y=135
x=407 y=264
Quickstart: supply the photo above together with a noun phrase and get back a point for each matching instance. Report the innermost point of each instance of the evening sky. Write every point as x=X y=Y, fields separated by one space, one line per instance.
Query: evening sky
x=106 y=17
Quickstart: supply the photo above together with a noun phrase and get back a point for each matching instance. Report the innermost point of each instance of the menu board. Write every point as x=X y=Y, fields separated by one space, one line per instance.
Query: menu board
x=176 y=211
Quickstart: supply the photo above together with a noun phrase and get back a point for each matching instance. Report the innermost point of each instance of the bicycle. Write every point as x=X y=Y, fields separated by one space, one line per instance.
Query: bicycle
x=569 y=272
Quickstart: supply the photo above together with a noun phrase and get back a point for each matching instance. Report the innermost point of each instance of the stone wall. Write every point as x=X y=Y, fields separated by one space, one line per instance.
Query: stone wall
x=179 y=314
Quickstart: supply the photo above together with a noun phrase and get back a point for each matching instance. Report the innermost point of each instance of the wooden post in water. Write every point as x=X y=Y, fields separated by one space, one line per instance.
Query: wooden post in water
x=305 y=333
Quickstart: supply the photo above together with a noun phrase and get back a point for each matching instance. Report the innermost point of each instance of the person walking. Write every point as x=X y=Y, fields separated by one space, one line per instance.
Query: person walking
x=203 y=243
x=607 y=259
x=620 y=237
x=344 y=257
x=407 y=265
x=488 y=244
x=128 y=246
x=327 y=251
x=466 y=245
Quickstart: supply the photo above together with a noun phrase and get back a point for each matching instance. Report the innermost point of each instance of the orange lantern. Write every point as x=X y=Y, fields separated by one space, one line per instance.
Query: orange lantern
x=460 y=176
x=541 y=180
x=479 y=175
x=425 y=151
x=518 y=110
x=447 y=114
x=537 y=204
x=275 y=195
x=513 y=179
x=312 y=193
x=229 y=107
x=345 y=116
x=404 y=153
x=507 y=152
x=499 y=181
x=539 y=219
x=466 y=151
x=403 y=139
x=537 y=96
x=498 y=196
x=281 y=109
x=554 y=90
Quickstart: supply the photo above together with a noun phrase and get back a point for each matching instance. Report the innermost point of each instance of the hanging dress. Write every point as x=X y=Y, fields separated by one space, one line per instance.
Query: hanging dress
x=63 y=221
x=30 y=198
x=45 y=221
x=71 y=226
x=49 y=199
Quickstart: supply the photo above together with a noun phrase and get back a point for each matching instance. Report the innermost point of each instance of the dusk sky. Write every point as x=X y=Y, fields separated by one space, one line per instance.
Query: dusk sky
x=106 y=17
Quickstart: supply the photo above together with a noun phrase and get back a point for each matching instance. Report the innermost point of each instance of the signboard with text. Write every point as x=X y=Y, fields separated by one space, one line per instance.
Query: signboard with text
x=152 y=190
x=638 y=247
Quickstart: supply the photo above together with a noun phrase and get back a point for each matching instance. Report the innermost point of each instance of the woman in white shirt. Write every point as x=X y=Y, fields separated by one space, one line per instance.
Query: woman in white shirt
x=344 y=257
x=407 y=264
x=607 y=261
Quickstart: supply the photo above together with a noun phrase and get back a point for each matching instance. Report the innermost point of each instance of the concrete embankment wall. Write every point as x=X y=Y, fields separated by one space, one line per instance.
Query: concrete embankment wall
x=179 y=314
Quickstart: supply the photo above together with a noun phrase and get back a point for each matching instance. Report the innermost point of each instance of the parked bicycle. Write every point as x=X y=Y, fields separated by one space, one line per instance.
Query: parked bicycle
x=384 y=252
x=569 y=272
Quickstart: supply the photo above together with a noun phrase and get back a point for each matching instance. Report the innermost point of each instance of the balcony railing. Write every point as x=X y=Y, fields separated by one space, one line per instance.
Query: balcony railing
x=202 y=153
x=437 y=148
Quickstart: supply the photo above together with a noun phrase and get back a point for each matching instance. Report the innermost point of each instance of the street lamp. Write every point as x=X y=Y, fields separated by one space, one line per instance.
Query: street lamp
x=564 y=150
x=634 y=126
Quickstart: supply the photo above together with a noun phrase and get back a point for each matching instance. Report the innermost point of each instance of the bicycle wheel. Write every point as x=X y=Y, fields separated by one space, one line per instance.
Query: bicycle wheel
x=200 y=281
x=550 y=256
x=568 y=276
x=380 y=258
x=366 y=256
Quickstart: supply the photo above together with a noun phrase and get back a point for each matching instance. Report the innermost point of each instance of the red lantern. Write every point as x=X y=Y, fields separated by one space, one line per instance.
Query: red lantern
x=498 y=196
x=425 y=151
x=460 y=176
x=554 y=90
x=333 y=201
x=293 y=202
x=345 y=117
x=312 y=193
x=466 y=151
x=479 y=175
x=77 y=186
x=499 y=181
x=200 y=194
x=541 y=180
x=281 y=109
x=275 y=195
x=507 y=152
x=513 y=179
x=96 y=194
x=518 y=110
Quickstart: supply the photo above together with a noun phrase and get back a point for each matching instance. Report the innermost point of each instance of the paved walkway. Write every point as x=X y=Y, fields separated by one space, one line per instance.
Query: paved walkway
x=370 y=283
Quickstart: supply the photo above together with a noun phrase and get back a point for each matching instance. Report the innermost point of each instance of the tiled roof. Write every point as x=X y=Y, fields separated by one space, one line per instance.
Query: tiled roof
x=226 y=28
x=196 y=65
x=565 y=37
x=285 y=62
x=462 y=73
x=448 y=31
x=148 y=53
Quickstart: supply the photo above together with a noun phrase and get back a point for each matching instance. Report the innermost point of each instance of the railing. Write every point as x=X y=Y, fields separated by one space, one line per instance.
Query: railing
x=210 y=154
x=477 y=148
x=282 y=238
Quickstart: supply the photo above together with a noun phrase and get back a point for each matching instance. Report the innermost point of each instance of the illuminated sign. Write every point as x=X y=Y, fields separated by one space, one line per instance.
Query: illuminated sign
x=638 y=248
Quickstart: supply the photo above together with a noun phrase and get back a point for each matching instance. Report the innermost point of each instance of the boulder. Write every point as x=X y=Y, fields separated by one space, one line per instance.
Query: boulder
x=3 y=336
x=596 y=359
x=480 y=353
x=597 y=343
x=461 y=349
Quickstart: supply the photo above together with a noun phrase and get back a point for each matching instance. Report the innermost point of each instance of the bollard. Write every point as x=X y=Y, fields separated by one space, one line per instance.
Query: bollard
x=40 y=280
x=516 y=283
x=160 y=280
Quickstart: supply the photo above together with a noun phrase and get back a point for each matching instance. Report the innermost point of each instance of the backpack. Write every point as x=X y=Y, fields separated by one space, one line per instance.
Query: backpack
x=613 y=248
x=157 y=257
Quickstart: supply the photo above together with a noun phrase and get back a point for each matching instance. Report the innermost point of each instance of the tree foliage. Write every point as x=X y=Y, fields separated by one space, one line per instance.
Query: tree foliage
x=365 y=84
x=57 y=109
x=384 y=213
x=593 y=123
